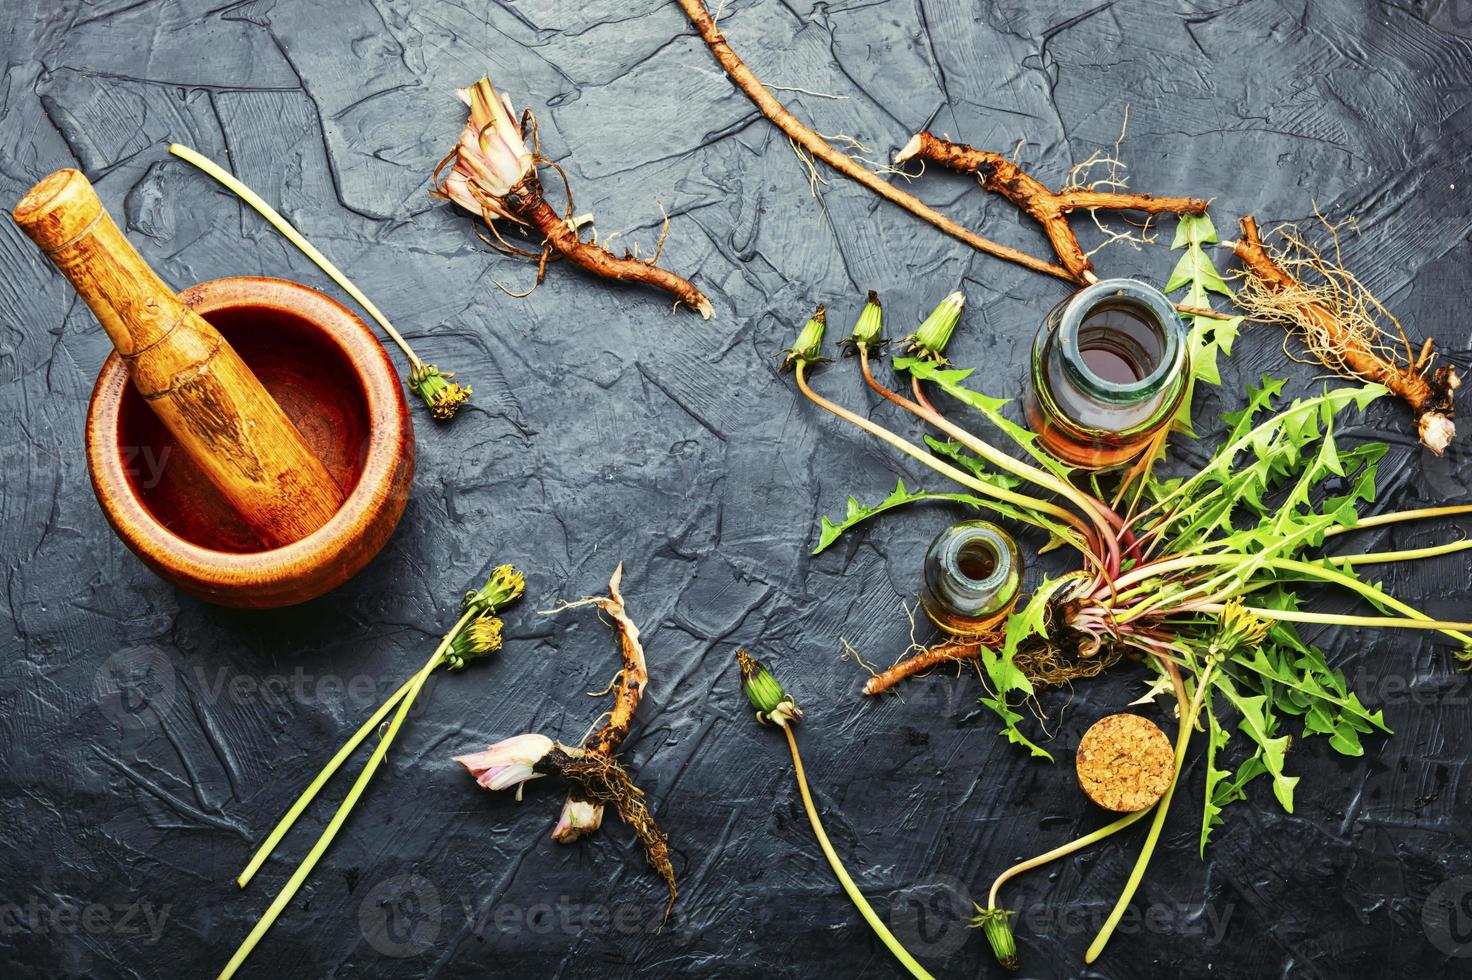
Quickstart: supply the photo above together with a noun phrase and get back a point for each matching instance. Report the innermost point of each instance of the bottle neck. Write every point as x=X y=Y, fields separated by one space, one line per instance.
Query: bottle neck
x=1112 y=357
x=973 y=573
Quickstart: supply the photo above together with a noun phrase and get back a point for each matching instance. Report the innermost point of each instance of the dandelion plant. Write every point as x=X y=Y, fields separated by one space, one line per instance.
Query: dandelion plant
x=1200 y=575
x=477 y=633
x=493 y=174
x=774 y=706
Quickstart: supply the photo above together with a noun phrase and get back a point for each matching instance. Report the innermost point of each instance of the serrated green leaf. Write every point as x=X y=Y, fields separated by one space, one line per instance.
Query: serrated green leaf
x=901 y=495
x=1257 y=724
x=975 y=465
x=1194 y=229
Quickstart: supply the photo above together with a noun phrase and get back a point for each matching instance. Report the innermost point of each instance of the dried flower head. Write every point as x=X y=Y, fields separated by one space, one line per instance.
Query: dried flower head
x=443 y=397
x=509 y=762
x=930 y=340
x=480 y=637
x=809 y=342
x=868 y=335
x=504 y=587
x=774 y=706
x=578 y=817
x=492 y=157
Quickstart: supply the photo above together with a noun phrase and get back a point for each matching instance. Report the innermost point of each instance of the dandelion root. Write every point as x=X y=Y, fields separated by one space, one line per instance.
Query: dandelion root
x=1337 y=323
x=1002 y=176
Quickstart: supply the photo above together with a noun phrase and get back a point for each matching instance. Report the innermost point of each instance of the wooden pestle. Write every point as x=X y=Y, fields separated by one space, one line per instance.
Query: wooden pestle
x=212 y=403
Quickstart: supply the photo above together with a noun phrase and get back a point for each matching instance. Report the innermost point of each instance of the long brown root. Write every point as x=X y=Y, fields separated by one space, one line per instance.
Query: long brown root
x=814 y=143
x=1002 y=176
x=535 y=210
x=596 y=774
x=1337 y=320
x=946 y=652
x=632 y=678
x=1041 y=665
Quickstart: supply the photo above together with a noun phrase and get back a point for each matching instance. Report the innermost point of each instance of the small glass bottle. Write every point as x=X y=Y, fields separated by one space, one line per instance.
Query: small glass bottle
x=973 y=575
x=1109 y=369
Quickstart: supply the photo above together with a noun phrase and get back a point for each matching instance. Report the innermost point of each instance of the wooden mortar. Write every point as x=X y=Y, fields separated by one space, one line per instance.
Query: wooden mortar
x=229 y=484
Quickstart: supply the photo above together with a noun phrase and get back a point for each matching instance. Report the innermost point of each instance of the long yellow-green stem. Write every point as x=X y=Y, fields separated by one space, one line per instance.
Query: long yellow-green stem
x=294 y=883
x=1089 y=506
x=926 y=412
x=856 y=896
x=1454 y=630
x=1183 y=739
x=310 y=793
x=1378 y=520
x=1074 y=845
x=1018 y=500
x=296 y=238
x=1340 y=619
x=1410 y=554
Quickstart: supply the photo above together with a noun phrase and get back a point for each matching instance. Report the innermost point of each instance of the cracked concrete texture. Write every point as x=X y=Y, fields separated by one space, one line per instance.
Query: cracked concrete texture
x=603 y=428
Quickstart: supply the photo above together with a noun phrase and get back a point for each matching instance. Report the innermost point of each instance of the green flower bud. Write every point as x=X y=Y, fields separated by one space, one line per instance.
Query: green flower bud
x=867 y=337
x=504 y=587
x=809 y=344
x=443 y=397
x=773 y=705
x=993 y=923
x=480 y=637
x=935 y=333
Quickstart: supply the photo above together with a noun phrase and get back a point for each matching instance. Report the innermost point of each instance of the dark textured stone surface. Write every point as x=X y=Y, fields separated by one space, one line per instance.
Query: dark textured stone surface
x=605 y=429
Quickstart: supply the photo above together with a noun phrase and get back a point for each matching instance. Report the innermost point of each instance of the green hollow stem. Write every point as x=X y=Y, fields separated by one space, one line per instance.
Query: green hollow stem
x=856 y=896
x=926 y=412
x=1396 y=517
x=1018 y=500
x=1339 y=619
x=1137 y=874
x=294 y=884
x=296 y=238
x=1410 y=554
x=310 y=793
x=1078 y=844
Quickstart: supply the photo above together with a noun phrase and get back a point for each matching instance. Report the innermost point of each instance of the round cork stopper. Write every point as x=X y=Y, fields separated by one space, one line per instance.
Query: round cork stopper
x=1125 y=763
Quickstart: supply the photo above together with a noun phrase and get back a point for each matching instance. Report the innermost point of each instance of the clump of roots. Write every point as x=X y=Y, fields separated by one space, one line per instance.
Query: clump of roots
x=1044 y=664
x=601 y=778
x=1342 y=324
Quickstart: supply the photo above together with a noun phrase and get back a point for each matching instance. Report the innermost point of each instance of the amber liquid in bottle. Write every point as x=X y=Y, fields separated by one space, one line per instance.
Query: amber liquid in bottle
x=973 y=576
x=1109 y=370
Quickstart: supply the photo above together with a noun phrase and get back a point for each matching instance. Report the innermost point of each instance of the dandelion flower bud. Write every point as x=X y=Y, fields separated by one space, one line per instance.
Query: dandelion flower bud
x=773 y=705
x=504 y=587
x=809 y=344
x=868 y=335
x=481 y=637
x=935 y=333
x=998 y=931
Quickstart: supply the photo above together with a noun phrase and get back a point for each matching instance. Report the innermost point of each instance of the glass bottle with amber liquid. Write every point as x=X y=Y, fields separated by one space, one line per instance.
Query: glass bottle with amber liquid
x=972 y=577
x=1109 y=369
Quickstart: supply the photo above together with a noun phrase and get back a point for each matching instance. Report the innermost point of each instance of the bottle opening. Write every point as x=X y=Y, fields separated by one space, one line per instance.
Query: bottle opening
x=1118 y=345
x=977 y=560
x=1120 y=340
